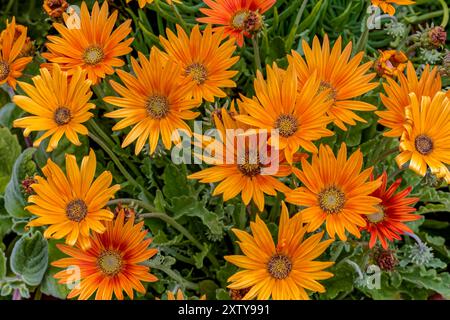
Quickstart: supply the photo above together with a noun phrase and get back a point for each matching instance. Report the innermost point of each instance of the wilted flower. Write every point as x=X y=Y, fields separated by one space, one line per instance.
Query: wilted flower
x=385 y=259
x=390 y=63
x=27 y=48
x=26 y=185
x=437 y=36
x=55 y=8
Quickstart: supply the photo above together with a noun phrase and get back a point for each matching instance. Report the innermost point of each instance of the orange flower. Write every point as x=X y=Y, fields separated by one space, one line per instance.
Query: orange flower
x=12 y=61
x=343 y=77
x=387 y=7
x=394 y=209
x=112 y=265
x=238 y=18
x=397 y=96
x=335 y=191
x=94 y=46
x=390 y=63
x=55 y=8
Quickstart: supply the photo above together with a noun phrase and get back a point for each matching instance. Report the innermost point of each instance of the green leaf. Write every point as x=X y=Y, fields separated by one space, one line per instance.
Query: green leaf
x=2 y=265
x=9 y=151
x=175 y=182
x=8 y=113
x=200 y=256
x=50 y=285
x=29 y=258
x=222 y=294
x=340 y=284
x=15 y=201
x=428 y=279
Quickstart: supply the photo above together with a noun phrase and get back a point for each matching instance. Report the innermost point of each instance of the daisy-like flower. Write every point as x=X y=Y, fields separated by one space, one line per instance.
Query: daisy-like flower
x=155 y=101
x=343 y=76
x=72 y=204
x=143 y=3
x=299 y=117
x=11 y=62
x=397 y=96
x=27 y=48
x=112 y=265
x=394 y=209
x=204 y=59
x=58 y=104
x=425 y=141
x=335 y=191
x=387 y=5
x=238 y=168
x=390 y=63
x=281 y=271
x=238 y=18
x=94 y=46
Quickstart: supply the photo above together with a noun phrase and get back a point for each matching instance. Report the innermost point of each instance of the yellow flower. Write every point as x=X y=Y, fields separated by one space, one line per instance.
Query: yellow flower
x=341 y=75
x=299 y=117
x=390 y=63
x=179 y=296
x=282 y=271
x=12 y=63
x=335 y=191
x=112 y=265
x=397 y=96
x=155 y=101
x=72 y=204
x=203 y=59
x=387 y=7
x=426 y=139
x=59 y=104
x=94 y=46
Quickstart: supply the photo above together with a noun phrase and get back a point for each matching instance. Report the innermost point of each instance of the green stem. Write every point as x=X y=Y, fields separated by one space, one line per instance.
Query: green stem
x=179 y=17
x=427 y=16
x=119 y=165
x=361 y=45
x=445 y=15
x=256 y=53
x=300 y=14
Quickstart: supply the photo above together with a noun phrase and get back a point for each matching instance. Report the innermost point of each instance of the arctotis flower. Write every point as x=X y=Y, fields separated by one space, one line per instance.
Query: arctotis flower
x=397 y=96
x=12 y=62
x=203 y=59
x=343 y=77
x=387 y=5
x=299 y=117
x=28 y=46
x=156 y=101
x=58 y=104
x=279 y=271
x=238 y=18
x=426 y=139
x=72 y=204
x=112 y=265
x=390 y=63
x=388 y=223
x=336 y=192
x=95 y=46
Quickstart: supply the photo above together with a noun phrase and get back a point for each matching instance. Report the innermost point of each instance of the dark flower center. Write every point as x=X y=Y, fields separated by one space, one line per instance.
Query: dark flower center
x=62 y=116
x=287 y=125
x=331 y=200
x=198 y=72
x=423 y=144
x=76 y=210
x=4 y=70
x=279 y=266
x=110 y=262
x=157 y=106
x=93 y=55
x=249 y=165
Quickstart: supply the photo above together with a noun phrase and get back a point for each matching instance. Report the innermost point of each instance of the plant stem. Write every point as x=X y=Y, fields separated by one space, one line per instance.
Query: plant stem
x=256 y=53
x=361 y=45
x=445 y=15
x=119 y=165
x=179 y=17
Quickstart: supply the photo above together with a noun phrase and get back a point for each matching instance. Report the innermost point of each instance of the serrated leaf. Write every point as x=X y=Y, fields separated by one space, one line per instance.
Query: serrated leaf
x=29 y=258
x=15 y=201
x=9 y=151
x=429 y=279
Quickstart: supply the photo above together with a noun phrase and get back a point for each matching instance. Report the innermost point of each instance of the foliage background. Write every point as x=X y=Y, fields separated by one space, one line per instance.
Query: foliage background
x=195 y=263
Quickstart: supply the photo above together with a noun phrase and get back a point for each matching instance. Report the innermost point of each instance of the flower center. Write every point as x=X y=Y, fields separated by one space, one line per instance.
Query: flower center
x=93 y=55
x=239 y=19
x=377 y=216
x=157 y=106
x=424 y=144
x=287 y=125
x=110 y=262
x=249 y=167
x=331 y=200
x=76 y=210
x=198 y=72
x=62 y=116
x=4 y=70
x=332 y=94
x=254 y=22
x=279 y=266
